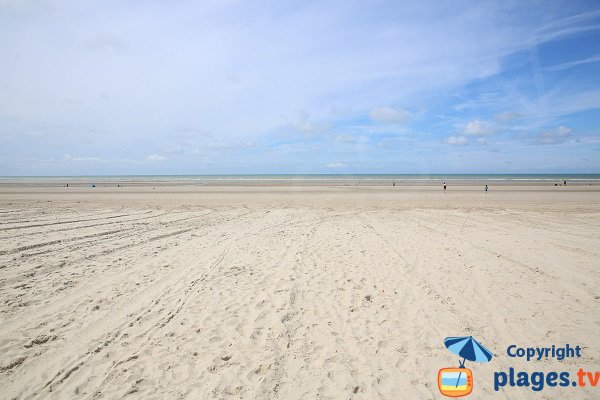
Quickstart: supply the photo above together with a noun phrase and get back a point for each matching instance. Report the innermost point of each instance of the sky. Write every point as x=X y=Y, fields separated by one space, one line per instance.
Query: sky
x=266 y=87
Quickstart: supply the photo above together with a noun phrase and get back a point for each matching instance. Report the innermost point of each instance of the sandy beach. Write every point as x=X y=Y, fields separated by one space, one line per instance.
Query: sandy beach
x=312 y=292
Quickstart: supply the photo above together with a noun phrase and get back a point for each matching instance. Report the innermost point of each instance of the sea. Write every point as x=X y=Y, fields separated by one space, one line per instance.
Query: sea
x=304 y=179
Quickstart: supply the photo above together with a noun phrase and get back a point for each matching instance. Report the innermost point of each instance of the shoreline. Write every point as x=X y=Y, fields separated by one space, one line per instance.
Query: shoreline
x=88 y=182
x=466 y=197
x=292 y=180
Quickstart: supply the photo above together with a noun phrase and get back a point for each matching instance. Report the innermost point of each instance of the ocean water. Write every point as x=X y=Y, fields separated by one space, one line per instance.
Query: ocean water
x=307 y=178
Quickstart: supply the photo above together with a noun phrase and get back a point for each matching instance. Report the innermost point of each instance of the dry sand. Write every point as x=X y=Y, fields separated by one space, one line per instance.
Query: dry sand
x=290 y=292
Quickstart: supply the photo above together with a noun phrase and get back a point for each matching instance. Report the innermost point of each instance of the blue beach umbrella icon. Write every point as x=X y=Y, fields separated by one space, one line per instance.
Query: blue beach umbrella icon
x=469 y=349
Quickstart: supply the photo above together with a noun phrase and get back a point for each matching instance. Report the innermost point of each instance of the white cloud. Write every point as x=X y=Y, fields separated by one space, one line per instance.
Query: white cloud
x=302 y=124
x=335 y=165
x=590 y=140
x=340 y=110
x=571 y=64
x=155 y=157
x=567 y=27
x=389 y=115
x=456 y=140
x=85 y=159
x=228 y=146
x=344 y=138
x=478 y=128
x=560 y=135
x=508 y=116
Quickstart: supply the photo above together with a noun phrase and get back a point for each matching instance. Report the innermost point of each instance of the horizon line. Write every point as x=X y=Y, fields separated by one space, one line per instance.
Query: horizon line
x=302 y=174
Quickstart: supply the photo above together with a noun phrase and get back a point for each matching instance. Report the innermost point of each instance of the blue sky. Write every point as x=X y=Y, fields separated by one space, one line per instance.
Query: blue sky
x=227 y=87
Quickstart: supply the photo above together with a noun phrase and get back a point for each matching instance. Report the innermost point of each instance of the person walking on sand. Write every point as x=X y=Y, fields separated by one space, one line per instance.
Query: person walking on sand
x=444 y=187
x=486 y=188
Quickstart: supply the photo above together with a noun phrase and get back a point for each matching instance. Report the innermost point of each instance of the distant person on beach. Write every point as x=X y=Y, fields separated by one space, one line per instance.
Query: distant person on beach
x=565 y=183
x=393 y=184
x=444 y=187
x=486 y=188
